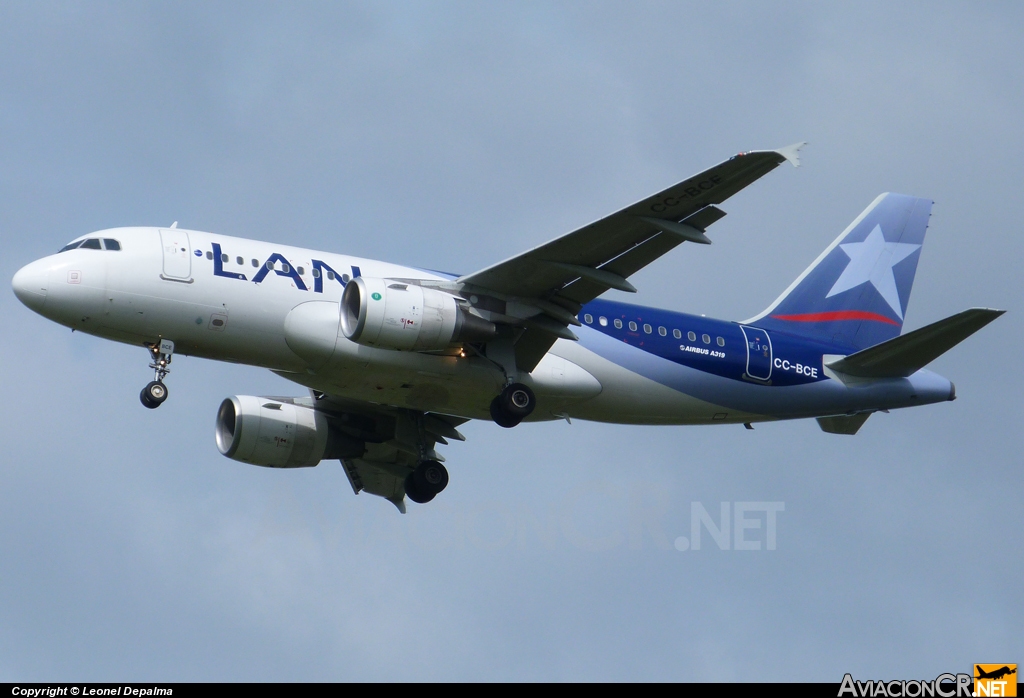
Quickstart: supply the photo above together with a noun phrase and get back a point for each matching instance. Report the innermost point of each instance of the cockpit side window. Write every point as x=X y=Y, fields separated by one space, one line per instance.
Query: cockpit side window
x=70 y=246
x=91 y=244
x=109 y=244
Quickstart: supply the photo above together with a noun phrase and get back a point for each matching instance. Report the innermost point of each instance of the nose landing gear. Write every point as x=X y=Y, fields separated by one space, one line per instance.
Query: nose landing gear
x=155 y=392
x=513 y=405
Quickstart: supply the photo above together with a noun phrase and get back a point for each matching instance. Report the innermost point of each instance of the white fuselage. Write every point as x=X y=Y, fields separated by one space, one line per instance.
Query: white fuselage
x=164 y=284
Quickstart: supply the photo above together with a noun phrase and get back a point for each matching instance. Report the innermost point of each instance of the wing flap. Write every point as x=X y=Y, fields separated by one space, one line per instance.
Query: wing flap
x=702 y=219
x=372 y=478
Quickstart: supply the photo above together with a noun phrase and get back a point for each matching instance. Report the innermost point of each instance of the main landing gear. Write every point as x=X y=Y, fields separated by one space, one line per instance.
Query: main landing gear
x=155 y=392
x=426 y=481
x=513 y=405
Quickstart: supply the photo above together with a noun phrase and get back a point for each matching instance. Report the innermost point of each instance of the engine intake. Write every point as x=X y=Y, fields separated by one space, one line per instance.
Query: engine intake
x=275 y=434
x=395 y=315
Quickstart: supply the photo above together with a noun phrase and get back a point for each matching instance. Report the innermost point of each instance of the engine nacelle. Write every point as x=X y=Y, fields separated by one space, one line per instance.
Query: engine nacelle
x=274 y=434
x=394 y=315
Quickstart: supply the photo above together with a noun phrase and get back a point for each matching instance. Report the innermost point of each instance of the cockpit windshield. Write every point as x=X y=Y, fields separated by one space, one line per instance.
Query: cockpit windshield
x=92 y=244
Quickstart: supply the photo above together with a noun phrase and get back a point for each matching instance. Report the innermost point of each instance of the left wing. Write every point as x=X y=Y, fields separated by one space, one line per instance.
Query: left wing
x=394 y=441
x=546 y=286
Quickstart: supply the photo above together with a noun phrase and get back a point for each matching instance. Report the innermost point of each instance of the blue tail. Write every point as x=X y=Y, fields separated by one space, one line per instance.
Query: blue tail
x=855 y=294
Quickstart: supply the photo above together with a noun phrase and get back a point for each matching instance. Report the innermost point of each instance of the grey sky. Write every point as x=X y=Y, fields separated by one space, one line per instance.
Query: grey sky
x=449 y=136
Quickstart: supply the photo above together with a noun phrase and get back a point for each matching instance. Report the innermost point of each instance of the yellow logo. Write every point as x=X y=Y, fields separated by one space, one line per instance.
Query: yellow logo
x=995 y=680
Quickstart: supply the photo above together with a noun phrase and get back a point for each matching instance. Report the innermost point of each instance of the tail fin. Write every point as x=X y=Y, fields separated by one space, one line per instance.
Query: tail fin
x=855 y=294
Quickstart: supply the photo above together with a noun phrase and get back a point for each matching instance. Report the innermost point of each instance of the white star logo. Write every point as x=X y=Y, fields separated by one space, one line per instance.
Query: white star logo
x=872 y=261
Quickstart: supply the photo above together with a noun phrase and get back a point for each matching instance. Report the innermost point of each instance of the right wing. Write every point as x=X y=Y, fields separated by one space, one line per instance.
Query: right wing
x=618 y=245
x=544 y=288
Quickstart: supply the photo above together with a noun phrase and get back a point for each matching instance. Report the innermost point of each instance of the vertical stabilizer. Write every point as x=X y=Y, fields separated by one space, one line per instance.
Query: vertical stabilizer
x=855 y=294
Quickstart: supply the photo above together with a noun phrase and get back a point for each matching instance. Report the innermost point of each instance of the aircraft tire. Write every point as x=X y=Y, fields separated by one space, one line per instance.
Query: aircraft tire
x=430 y=476
x=413 y=492
x=515 y=404
x=154 y=394
x=500 y=416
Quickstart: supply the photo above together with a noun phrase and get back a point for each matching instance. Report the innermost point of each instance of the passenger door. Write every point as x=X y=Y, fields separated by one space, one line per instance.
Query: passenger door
x=177 y=255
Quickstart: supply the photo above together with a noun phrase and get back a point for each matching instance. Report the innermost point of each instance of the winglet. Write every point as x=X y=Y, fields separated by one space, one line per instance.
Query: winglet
x=792 y=152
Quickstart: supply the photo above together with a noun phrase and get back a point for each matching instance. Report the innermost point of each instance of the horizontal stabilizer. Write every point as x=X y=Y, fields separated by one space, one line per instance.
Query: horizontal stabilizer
x=906 y=354
x=843 y=424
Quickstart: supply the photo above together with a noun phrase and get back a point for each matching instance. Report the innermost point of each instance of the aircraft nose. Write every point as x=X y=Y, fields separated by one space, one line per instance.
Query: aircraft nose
x=30 y=285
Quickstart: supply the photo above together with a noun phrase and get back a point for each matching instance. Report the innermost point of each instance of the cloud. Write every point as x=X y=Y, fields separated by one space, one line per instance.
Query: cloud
x=450 y=135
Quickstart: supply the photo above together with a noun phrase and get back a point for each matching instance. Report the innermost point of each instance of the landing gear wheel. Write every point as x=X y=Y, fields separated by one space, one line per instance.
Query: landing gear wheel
x=413 y=491
x=515 y=404
x=500 y=417
x=431 y=476
x=425 y=482
x=153 y=395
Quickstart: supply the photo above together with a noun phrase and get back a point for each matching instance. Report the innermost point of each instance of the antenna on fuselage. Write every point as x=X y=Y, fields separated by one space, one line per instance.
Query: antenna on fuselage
x=174 y=225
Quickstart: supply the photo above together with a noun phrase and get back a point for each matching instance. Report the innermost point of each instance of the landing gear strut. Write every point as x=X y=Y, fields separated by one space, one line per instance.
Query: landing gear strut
x=155 y=392
x=426 y=481
x=513 y=405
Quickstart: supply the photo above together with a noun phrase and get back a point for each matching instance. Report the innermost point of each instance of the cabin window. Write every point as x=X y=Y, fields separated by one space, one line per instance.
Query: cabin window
x=91 y=244
x=255 y=262
x=692 y=336
x=302 y=272
x=662 y=331
x=602 y=321
x=316 y=273
x=209 y=255
x=224 y=258
x=618 y=323
x=721 y=341
x=588 y=318
x=239 y=261
x=330 y=275
x=285 y=268
x=345 y=278
x=109 y=244
x=270 y=265
x=706 y=338
x=632 y=326
x=647 y=328
x=677 y=334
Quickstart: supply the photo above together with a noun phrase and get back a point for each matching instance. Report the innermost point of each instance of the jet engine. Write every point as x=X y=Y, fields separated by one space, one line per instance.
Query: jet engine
x=395 y=315
x=275 y=434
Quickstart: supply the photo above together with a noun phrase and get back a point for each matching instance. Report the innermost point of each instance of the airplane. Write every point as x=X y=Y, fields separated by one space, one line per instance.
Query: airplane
x=995 y=674
x=396 y=358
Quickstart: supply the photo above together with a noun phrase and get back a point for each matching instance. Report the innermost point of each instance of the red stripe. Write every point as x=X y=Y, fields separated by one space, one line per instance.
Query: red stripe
x=834 y=315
